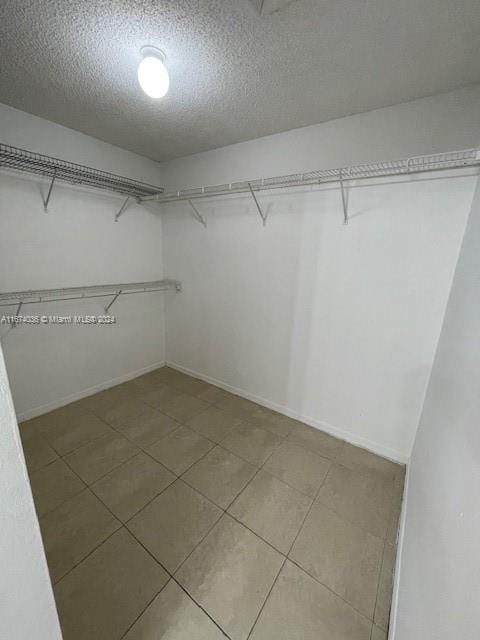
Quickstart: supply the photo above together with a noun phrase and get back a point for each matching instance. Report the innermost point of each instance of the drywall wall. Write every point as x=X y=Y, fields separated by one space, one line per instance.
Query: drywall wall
x=76 y=243
x=439 y=123
x=439 y=581
x=336 y=325
x=27 y=607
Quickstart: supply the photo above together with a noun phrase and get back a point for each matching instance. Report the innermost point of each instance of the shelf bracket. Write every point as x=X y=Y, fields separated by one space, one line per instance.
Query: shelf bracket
x=344 y=198
x=263 y=216
x=197 y=215
x=50 y=189
x=19 y=306
x=123 y=208
x=112 y=300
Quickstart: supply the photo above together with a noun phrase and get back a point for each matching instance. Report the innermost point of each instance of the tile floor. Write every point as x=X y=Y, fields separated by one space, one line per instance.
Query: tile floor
x=172 y=509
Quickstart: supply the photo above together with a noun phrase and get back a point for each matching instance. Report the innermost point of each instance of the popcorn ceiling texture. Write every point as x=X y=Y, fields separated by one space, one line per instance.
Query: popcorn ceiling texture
x=235 y=74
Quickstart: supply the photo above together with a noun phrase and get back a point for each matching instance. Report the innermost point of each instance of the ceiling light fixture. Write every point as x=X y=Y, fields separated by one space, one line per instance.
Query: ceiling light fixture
x=152 y=73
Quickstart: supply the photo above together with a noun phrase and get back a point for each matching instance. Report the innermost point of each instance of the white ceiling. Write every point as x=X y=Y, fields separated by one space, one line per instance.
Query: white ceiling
x=235 y=74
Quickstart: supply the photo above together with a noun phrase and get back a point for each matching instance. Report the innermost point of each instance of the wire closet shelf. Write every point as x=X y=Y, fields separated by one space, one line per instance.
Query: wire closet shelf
x=76 y=293
x=13 y=158
x=407 y=166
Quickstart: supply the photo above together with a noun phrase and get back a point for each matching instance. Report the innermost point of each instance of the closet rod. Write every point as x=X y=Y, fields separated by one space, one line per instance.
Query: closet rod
x=408 y=166
x=76 y=293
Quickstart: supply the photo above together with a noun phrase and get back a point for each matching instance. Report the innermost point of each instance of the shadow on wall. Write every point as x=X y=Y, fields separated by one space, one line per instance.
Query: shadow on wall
x=333 y=323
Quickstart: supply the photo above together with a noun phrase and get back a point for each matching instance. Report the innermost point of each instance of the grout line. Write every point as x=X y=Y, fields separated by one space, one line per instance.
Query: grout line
x=286 y=556
x=244 y=420
x=307 y=572
x=143 y=610
x=266 y=599
x=378 y=582
x=56 y=582
x=172 y=576
x=201 y=607
x=349 y=604
x=87 y=487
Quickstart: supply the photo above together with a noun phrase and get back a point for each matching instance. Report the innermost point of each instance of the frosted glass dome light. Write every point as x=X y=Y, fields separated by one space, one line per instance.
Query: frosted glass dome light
x=152 y=73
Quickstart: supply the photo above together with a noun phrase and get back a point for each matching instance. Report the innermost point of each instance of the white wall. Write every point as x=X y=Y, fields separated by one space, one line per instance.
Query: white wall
x=27 y=608
x=445 y=122
x=337 y=325
x=439 y=583
x=76 y=243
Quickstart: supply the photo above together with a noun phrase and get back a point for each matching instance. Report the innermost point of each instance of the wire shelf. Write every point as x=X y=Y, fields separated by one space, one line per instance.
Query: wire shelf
x=418 y=164
x=95 y=291
x=35 y=163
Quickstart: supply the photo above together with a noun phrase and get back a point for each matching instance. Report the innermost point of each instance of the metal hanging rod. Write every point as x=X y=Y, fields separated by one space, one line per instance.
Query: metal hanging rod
x=20 y=298
x=56 y=169
x=406 y=166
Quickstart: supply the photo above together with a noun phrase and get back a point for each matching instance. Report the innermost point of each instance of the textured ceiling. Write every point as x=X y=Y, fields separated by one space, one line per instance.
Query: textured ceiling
x=235 y=74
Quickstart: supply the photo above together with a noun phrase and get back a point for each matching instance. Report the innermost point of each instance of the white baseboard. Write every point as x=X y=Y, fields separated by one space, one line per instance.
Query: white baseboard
x=343 y=434
x=398 y=562
x=61 y=402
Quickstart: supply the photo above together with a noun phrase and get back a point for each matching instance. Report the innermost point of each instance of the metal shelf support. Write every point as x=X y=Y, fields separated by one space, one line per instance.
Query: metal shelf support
x=436 y=162
x=197 y=215
x=123 y=208
x=344 y=198
x=50 y=189
x=259 y=209
x=17 y=312
x=112 y=300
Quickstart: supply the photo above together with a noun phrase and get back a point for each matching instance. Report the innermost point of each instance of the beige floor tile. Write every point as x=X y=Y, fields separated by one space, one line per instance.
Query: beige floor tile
x=315 y=440
x=37 y=451
x=174 y=616
x=98 y=402
x=230 y=574
x=105 y=594
x=272 y=421
x=251 y=443
x=341 y=556
x=180 y=449
x=183 y=407
x=149 y=380
x=214 y=423
x=237 y=405
x=157 y=397
x=125 y=409
x=174 y=523
x=52 y=485
x=271 y=509
x=72 y=530
x=147 y=428
x=360 y=498
x=29 y=428
x=94 y=460
x=128 y=488
x=128 y=388
x=385 y=587
x=192 y=386
x=212 y=394
x=38 y=424
x=168 y=375
x=301 y=469
x=220 y=476
x=67 y=430
x=378 y=634
x=364 y=461
x=299 y=608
